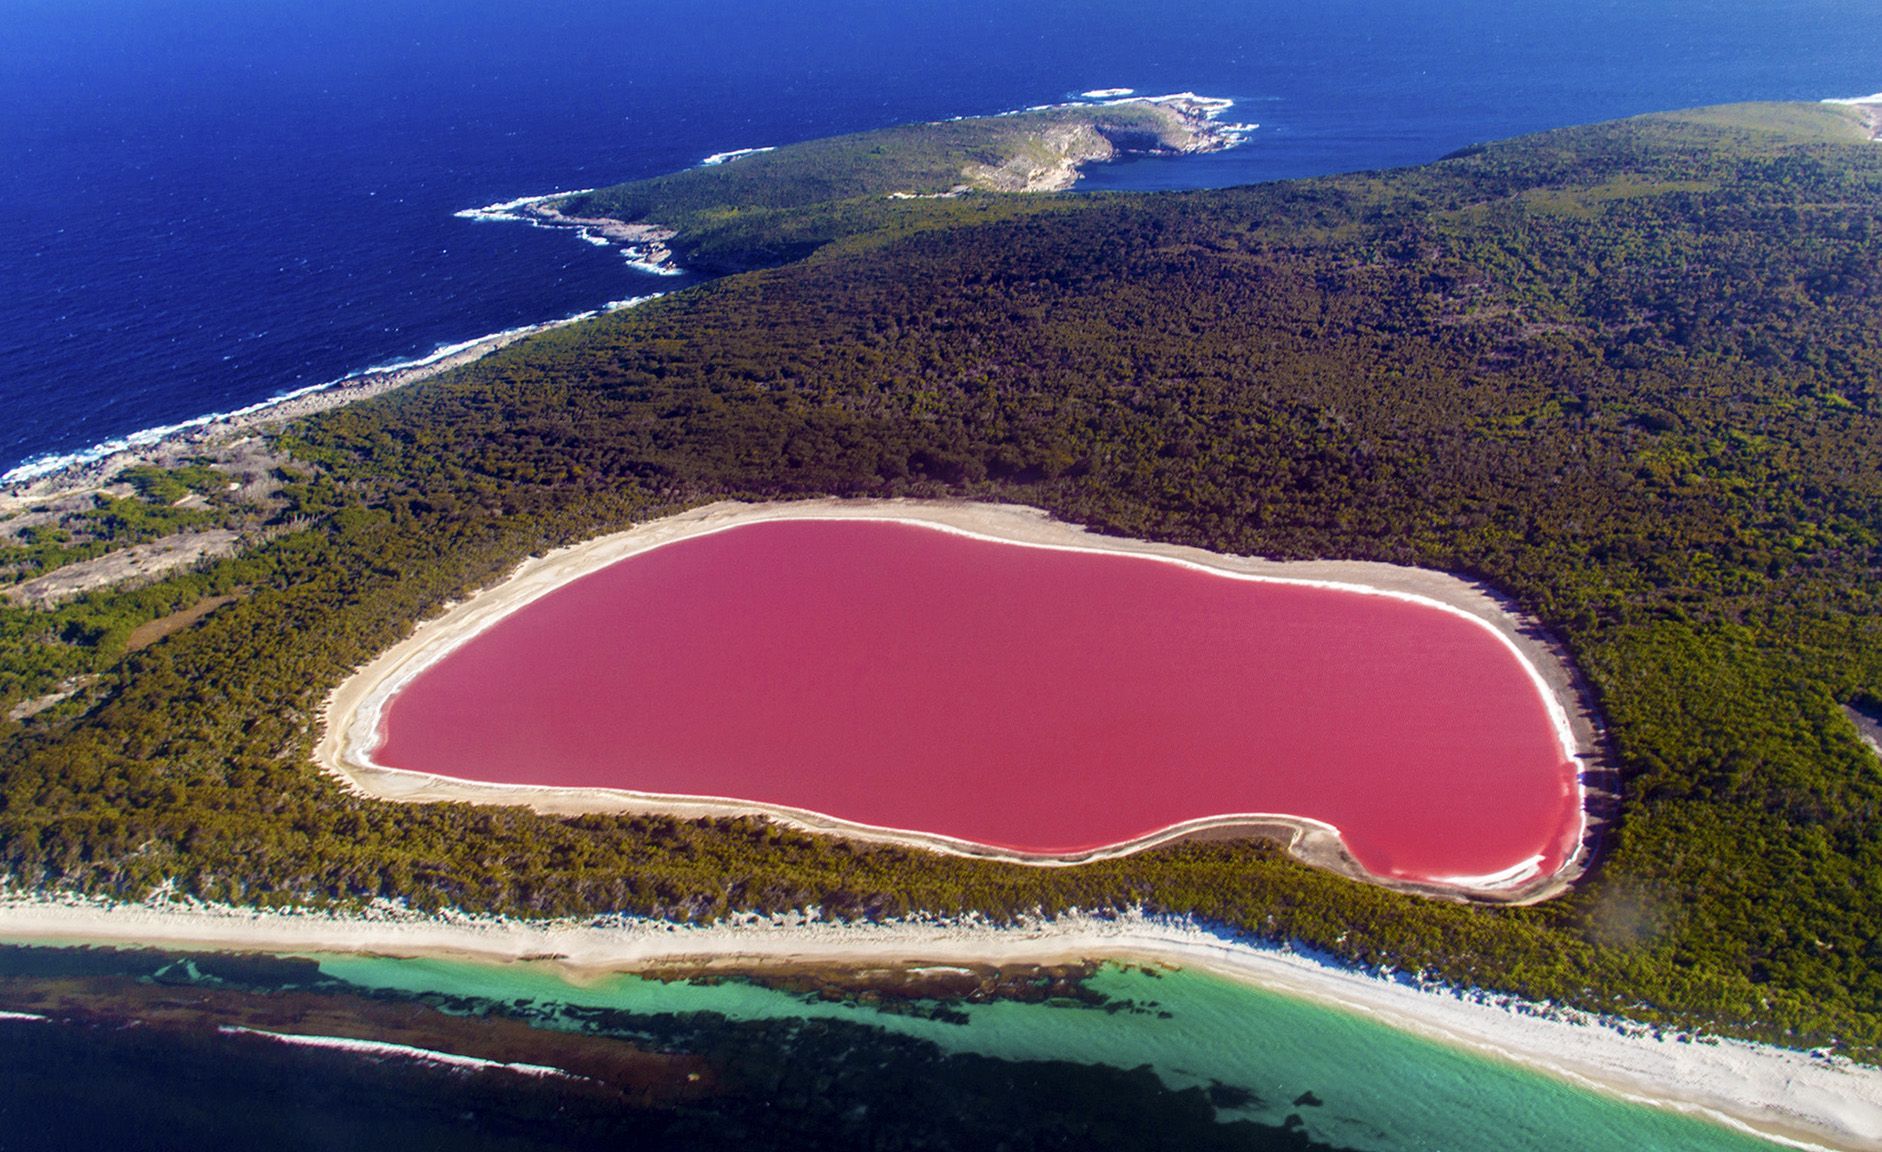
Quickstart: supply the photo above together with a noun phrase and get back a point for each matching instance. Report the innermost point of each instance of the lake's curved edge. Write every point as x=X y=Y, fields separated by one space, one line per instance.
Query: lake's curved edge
x=353 y=712
x=1793 y=1098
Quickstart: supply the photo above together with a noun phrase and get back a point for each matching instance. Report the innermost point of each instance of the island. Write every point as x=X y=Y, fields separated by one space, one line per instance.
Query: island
x=1618 y=379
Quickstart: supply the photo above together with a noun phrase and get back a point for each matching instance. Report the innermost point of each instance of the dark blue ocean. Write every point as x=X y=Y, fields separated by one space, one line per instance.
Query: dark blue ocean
x=211 y=202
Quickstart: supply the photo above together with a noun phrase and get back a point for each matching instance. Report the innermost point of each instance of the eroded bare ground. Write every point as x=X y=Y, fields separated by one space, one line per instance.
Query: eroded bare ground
x=151 y=631
x=65 y=691
x=247 y=459
x=239 y=448
x=136 y=564
x=1052 y=167
x=235 y=492
x=1868 y=725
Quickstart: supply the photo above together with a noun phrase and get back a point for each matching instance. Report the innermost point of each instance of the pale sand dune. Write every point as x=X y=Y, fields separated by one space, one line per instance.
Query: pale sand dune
x=1790 y=1096
x=354 y=710
x=139 y=562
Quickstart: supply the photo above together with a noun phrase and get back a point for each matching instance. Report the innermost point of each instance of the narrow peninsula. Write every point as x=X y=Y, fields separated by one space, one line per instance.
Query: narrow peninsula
x=763 y=206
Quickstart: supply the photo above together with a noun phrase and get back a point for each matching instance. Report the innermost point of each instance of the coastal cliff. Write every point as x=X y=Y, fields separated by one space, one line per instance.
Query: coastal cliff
x=1069 y=137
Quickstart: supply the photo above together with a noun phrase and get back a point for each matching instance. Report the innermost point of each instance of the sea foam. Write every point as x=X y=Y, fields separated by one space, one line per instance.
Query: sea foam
x=1212 y=108
x=718 y=158
x=397 y=1051
x=512 y=212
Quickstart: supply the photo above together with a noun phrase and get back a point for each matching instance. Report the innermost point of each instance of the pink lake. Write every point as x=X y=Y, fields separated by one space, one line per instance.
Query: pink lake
x=1046 y=701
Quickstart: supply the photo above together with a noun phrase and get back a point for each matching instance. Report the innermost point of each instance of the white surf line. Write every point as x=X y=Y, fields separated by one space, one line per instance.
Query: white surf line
x=25 y=1016
x=1212 y=107
x=512 y=211
x=380 y=1048
x=41 y=466
x=507 y=210
x=718 y=158
x=359 y=735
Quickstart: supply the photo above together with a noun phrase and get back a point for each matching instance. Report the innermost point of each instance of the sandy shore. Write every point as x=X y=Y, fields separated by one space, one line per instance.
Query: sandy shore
x=354 y=710
x=1799 y=1098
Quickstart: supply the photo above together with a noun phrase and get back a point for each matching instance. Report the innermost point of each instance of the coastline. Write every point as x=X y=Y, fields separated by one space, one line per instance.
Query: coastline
x=352 y=713
x=1198 y=117
x=646 y=243
x=37 y=480
x=917 y=947
x=645 y=246
x=1804 y=1100
x=1869 y=108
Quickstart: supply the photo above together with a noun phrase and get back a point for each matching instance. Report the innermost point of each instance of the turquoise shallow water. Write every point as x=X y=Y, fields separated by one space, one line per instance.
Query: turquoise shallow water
x=1380 y=1088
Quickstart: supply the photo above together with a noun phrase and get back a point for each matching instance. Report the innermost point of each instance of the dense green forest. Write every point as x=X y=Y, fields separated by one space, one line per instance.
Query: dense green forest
x=1626 y=373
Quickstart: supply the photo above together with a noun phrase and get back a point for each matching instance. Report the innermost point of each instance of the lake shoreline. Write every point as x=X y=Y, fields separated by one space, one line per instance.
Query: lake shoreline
x=1796 y=1098
x=354 y=710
